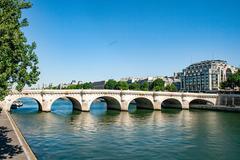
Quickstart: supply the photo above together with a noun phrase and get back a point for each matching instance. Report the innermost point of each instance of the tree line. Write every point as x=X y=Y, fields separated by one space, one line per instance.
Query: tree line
x=87 y=85
x=156 y=85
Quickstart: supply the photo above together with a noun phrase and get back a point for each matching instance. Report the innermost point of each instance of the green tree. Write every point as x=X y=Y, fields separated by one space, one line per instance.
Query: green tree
x=87 y=85
x=232 y=81
x=157 y=85
x=55 y=87
x=224 y=85
x=122 y=85
x=144 y=86
x=18 y=61
x=110 y=84
x=171 y=88
x=78 y=86
x=134 y=86
x=73 y=86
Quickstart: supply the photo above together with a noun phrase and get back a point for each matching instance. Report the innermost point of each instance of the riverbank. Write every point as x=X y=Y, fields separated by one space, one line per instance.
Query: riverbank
x=13 y=144
x=217 y=108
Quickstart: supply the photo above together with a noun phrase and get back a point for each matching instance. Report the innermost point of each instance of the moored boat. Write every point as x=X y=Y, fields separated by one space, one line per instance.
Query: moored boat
x=16 y=104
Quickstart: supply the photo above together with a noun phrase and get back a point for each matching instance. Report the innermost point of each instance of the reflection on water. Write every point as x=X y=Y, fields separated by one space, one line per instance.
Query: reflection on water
x=138 y=134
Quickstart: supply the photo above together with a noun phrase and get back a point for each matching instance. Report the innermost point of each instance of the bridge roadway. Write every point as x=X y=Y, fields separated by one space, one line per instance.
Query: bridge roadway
x=115 y=99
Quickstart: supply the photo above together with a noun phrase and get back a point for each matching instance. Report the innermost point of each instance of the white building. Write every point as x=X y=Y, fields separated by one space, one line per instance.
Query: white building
x=205 y=75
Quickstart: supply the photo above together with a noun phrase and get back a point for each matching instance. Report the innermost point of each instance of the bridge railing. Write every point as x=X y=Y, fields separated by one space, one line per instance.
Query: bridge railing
x=104 y=91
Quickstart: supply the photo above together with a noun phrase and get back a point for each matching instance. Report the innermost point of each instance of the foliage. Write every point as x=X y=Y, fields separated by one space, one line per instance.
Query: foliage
x=157 y=85
x=122 y=85
x=232 y=81
x=171 y=88
x=134 y=86
x=18 y=61
x=87 y=85
x=110 y=84
x=144 y=86
x=73 y=86
x=224 y=85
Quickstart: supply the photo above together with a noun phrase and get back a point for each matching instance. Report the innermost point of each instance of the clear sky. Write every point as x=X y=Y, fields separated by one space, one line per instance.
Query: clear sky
x=101 y=39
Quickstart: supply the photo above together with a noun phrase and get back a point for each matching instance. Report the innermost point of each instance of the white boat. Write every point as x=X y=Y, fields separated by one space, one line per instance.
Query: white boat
x=16 y=104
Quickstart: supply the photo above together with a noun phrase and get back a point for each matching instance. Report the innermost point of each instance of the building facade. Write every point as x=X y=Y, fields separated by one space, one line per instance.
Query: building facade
x=205 y=75
x=99 y=84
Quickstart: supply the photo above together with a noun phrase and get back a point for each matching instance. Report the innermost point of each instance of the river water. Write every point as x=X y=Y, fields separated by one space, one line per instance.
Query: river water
x=103 y=134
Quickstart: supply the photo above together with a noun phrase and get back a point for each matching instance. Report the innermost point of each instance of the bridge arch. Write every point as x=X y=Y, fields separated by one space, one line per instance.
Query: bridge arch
x=200 y=102
x=76 y=104
x=141 y=103
x=111 y=102
x=37 y=100
x=171 y=103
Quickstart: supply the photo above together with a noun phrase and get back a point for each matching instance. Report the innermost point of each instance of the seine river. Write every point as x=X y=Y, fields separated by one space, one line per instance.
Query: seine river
x=140 y=134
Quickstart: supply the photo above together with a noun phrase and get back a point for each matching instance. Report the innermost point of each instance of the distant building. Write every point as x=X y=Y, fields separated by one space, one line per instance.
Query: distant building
x=130 y=79
x=80 y=82
x=205 y=75
x=74 y=82
x=147 y=79
x=99 y=84
x=175 y=79
x=139 y=80
x=177 y=83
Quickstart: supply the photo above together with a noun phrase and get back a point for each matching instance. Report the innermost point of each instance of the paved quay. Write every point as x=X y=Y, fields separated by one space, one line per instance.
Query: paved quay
x=12 y=143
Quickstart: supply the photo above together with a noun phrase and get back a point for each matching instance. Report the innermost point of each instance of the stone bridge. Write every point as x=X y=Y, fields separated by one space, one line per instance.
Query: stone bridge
x=115 y=99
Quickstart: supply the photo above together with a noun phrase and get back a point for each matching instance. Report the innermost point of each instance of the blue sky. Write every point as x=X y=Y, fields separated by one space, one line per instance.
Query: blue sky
x=101 y=39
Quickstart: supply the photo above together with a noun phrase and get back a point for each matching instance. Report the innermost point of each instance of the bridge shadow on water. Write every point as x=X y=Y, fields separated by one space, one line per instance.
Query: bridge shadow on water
x=8 y=150
x=171 y=110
